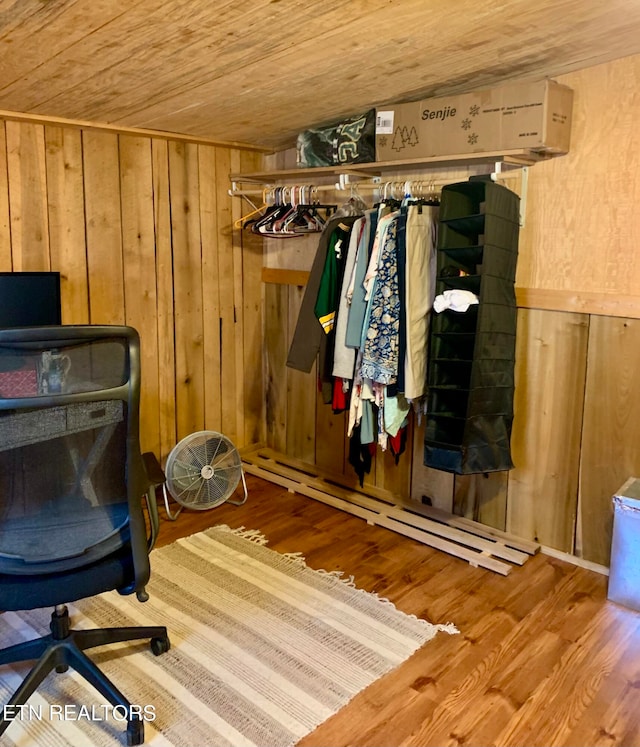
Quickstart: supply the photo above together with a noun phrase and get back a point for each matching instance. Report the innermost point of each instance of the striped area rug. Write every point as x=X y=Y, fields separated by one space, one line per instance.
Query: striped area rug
x=263 y=650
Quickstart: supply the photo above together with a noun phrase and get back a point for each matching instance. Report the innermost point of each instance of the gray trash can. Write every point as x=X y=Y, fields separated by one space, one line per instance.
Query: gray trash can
x=624 y=568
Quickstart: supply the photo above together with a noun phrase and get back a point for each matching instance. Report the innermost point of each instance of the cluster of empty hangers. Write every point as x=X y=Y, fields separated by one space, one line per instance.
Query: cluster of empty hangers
x=295 y=210
x=411 y=190
x=287 y=212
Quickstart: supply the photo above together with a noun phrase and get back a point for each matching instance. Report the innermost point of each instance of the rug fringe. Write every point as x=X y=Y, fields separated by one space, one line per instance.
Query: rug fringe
x=339 y=576
x=449 y=628
x=298 y=557
x=255 y=535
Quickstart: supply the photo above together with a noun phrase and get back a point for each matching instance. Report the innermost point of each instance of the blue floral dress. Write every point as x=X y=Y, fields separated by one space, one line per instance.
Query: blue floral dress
x=380 y=334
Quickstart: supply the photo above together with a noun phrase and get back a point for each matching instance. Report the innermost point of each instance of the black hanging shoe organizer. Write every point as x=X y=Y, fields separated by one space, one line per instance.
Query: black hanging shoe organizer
x=472 y=353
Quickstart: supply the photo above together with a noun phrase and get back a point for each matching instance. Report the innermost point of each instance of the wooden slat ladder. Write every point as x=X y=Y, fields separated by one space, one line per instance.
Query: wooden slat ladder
x=479 y=545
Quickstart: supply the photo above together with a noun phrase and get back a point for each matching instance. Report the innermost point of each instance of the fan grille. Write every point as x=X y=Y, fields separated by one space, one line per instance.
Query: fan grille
x=203 y=470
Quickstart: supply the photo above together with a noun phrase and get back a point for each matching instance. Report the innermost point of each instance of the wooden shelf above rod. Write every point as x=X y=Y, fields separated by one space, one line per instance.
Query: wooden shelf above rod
x=514 y=158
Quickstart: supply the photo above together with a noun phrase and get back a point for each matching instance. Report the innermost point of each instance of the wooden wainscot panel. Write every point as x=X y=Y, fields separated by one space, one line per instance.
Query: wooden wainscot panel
x=252 y=305
x=230 y=374
x=104 y=227
x=138 y=238
x=394 y=474
x=5 y=231
x=209 y=187
x=611 y=432
x=330 y=438
x=276 y=342
x=187 y=268
x=551 y=359
x=238 y=316
x=165 y=310
x=301 y=395
x=28 y=196
x=65 y=196
x=430 y=486
x=483 y=498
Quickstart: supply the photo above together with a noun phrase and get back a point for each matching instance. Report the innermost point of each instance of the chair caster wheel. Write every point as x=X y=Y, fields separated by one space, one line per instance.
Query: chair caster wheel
x=160 y=645
x=135 y=732
x=62 y=668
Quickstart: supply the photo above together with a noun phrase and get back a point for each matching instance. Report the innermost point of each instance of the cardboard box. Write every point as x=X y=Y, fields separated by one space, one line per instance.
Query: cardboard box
x=534 y=116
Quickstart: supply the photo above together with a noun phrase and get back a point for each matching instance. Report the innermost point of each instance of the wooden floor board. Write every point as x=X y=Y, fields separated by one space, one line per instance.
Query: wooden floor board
x=542 y=657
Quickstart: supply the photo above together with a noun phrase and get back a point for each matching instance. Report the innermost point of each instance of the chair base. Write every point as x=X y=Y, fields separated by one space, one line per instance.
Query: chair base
x=64 y=648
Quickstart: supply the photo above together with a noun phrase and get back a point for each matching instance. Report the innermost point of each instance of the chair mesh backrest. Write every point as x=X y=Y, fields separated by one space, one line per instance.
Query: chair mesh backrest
x=67 y=400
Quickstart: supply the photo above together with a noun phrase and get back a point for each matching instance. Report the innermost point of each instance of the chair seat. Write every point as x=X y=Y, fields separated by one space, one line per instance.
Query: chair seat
x=48 y=590
x=59 y=534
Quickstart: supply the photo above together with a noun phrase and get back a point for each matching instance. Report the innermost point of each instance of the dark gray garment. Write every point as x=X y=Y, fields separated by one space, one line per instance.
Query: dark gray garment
x=309 y=338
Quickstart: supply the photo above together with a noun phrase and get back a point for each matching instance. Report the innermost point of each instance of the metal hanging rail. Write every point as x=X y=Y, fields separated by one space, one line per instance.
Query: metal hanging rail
x=305 y=190
x=392 y=186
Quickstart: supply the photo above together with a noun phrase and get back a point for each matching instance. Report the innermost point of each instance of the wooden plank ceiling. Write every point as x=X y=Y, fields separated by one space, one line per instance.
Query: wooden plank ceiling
x=259 y=71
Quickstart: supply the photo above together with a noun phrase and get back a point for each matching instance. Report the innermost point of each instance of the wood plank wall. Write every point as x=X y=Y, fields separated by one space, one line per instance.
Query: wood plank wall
x=577 y=409
x=140 y=229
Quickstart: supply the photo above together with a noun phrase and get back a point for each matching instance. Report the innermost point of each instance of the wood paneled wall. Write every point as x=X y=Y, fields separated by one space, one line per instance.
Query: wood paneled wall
x=579 y=242
x=577 y=412
x=141 y=231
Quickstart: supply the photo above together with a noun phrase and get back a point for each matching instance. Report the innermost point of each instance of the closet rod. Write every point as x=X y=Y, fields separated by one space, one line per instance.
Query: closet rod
x=377 y=183
x=369 y=185
x=372 y=184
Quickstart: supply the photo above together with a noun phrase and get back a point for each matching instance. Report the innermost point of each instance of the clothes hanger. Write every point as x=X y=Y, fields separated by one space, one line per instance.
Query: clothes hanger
x=354 y=206
x=290 y=216
x=264 y=224
x=307 y=217
x=240 y=223
x=390 y=200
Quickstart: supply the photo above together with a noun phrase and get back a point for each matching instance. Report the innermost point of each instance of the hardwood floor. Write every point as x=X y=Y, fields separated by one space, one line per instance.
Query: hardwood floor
x=542 y=657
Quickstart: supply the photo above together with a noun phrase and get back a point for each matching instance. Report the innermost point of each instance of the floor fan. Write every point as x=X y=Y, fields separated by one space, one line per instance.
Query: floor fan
x=203 y=471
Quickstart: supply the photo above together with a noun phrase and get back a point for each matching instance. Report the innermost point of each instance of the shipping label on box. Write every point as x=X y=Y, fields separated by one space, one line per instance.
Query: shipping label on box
x=533 y=116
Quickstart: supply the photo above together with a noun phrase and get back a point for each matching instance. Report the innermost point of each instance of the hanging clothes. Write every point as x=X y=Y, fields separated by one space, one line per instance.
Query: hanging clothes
x=401 y=261
x=328 y=298
x=380 y=339
x=421 y=242
x=344 y=356
x=327 y=303
x=355 y=291
x=365 y=317
x=360 y=456
x=309 y=339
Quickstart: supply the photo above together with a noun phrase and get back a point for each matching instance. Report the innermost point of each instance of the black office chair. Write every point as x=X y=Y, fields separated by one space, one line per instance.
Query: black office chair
x=72 y=482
